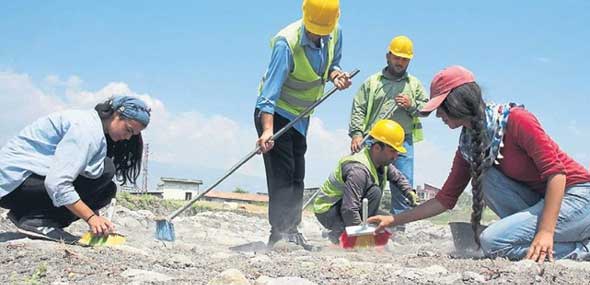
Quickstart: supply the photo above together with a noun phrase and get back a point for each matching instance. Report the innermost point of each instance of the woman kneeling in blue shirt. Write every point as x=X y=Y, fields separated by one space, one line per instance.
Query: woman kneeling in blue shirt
x=60 y=168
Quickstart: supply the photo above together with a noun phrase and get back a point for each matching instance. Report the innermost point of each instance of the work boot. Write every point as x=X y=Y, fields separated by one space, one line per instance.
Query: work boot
x=298 y=239
x=274 y=238
x=334 y=237
x=39 y=228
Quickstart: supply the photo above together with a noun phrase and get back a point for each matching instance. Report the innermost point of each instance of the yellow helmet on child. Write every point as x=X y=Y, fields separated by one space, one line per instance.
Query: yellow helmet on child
x=390 y=133
x=320 y=16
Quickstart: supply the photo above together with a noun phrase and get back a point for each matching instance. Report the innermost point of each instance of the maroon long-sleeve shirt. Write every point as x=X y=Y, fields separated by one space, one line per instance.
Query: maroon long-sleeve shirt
x=530 y=157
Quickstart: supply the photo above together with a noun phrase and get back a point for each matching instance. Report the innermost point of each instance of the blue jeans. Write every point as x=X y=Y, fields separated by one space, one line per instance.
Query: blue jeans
x=520 y=211
x=405 y=164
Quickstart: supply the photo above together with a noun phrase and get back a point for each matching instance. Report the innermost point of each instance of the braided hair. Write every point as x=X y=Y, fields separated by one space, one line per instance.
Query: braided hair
x=126 y=154
x=466 y=102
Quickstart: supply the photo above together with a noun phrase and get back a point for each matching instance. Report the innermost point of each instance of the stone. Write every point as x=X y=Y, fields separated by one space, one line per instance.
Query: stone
x=230 y=276
x=138 y=275
x=290 y=281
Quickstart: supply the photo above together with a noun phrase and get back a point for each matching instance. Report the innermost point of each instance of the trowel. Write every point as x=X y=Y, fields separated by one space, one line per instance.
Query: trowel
x=89 y=239
x=364 y=228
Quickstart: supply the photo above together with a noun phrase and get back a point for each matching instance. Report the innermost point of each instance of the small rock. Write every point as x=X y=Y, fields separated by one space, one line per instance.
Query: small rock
x=340 y=263
x=449 y=279
x=290 y=281
x=263 y=280
x=182 y=259
x=138 y=275
x=230 y=277
x=572 y=264
x=473 y=277
x=435 y=270
x=260 y=259
x=524 y=265
x=221 y=255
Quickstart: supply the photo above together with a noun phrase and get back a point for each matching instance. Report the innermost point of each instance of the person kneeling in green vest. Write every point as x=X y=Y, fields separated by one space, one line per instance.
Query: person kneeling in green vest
x=362 y=175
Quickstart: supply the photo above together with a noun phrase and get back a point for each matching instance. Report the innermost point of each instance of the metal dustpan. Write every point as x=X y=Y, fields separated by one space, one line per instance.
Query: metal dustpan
x=463 y=237
x=89 y=239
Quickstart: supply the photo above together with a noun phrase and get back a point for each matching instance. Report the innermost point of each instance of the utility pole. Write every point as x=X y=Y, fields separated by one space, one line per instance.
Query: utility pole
x=146 y=153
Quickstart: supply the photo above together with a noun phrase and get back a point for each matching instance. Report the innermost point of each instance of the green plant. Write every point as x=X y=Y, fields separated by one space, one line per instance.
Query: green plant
x=239 y=190
x=40 y=272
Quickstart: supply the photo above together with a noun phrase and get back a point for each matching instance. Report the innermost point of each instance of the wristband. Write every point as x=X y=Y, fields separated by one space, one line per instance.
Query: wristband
x=88 y=219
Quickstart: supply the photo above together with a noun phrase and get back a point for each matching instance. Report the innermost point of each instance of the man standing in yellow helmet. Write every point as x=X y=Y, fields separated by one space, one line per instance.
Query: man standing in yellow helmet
x=305 y=55
x=392 y=88
x=361 y=175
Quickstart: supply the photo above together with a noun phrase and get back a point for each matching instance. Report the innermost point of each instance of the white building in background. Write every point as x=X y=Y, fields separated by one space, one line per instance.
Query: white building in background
x=178 y=188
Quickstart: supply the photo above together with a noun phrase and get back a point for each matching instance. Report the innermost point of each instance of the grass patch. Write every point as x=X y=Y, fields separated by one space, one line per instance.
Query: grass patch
x=159 y=206
x=40 y=272
x=462 y=213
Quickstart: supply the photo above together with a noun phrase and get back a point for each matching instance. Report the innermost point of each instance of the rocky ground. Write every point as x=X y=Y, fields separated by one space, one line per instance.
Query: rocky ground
x=227 y=247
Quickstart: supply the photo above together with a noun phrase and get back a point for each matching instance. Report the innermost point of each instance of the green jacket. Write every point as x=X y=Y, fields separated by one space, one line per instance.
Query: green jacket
x=376 y=97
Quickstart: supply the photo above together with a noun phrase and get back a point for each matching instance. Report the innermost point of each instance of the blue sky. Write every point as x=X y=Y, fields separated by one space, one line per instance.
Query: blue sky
x=199 y=63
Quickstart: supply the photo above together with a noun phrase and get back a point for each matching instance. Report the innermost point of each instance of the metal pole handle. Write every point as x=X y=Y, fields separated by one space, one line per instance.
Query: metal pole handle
x=255 y=151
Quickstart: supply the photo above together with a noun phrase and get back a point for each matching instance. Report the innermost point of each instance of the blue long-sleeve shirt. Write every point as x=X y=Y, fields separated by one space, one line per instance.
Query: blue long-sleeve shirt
x=281 y=64
x=60 y=147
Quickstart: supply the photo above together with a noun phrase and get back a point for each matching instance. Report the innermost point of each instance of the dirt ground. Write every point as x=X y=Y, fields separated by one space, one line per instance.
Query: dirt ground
x=227 y=247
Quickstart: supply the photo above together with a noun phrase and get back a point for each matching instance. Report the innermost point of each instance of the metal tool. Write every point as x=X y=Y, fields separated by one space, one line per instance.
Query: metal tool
x=364 y=228
x=111 y=239
x=165 y=228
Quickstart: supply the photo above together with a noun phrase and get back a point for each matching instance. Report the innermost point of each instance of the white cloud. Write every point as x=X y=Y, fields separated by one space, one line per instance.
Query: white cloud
x=192 y=139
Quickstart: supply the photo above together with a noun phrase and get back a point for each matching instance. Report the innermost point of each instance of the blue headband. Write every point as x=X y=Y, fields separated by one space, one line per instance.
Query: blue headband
x=132 y=108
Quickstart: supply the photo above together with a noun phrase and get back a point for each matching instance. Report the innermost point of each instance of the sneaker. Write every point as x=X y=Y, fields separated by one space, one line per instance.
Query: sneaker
x=13 y=218
x=45 y=229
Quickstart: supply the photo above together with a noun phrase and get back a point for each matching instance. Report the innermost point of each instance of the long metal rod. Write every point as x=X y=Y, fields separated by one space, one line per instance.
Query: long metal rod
x=310 y=199
x=255 y=151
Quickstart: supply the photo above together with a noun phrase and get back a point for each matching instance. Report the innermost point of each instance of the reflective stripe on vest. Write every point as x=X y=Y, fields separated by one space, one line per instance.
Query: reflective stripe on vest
x=303 y=85
x=417 y=130
x=333 y=189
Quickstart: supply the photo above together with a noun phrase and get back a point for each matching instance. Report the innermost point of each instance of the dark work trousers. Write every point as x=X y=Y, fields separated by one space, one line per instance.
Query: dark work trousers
x=30 y=199
x=285 y=171
x=335 y=221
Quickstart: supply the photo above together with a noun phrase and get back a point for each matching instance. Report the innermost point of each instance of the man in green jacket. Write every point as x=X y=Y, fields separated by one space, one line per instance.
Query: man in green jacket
x=361 y=175
x=392 y=94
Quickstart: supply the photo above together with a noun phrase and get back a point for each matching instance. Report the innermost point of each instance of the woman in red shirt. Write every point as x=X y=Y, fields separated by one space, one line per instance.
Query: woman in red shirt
x=540 y=193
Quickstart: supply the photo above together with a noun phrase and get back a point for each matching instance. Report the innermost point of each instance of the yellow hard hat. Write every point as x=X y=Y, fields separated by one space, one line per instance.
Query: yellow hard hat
x=402 y=46
x=389 y=133
x=320 y=16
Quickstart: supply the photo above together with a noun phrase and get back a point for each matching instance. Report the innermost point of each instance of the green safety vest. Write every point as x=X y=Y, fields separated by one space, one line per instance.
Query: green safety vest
x=417 y=131
x=303 y=86
x=333 y=189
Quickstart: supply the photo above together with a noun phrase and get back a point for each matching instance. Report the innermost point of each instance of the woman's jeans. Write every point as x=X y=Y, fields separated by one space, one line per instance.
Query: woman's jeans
x=520 y=210
x=405 y=164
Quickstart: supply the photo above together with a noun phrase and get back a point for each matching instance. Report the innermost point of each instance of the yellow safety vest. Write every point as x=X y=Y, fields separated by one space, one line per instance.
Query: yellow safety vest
x=303 y=86
x=332 y=190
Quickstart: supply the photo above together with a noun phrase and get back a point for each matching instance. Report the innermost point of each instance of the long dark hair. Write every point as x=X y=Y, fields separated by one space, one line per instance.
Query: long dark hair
x=126 y=154
x=466 y=102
